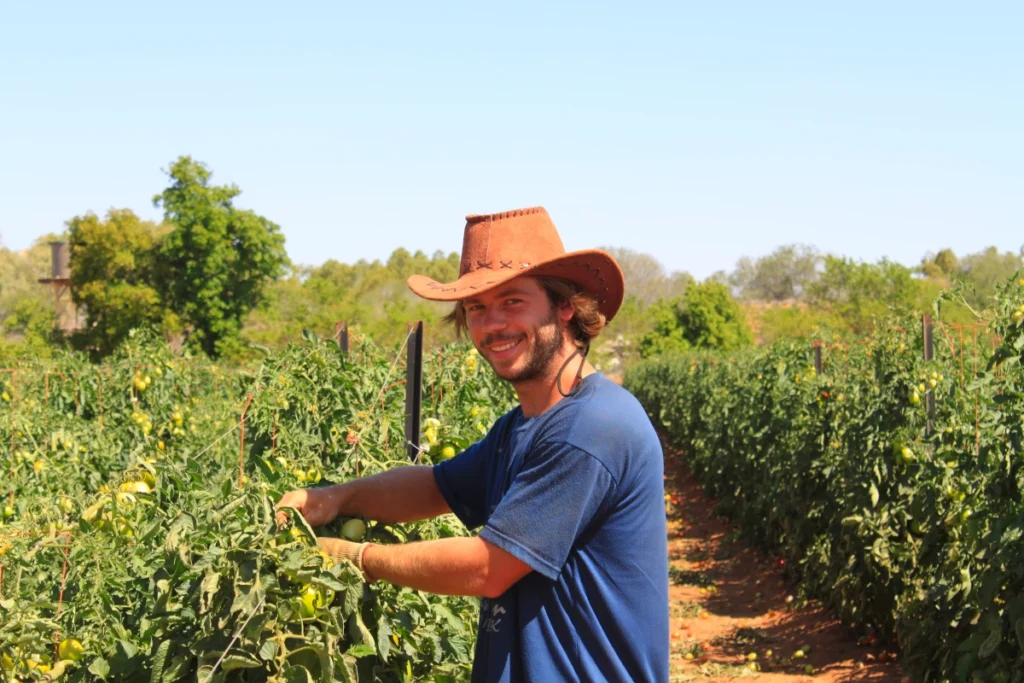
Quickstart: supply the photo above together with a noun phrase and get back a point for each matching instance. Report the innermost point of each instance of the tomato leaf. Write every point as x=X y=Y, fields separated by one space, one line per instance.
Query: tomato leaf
x=299 y=521
x=208 y=589
x=159 y=659
x=358 y=651
x=383 y=639
x=100 y=668
x=245 y=602
x=357 y=630
x=297 y=674
x=268 y=650
x=179 y=665
x=240 y=660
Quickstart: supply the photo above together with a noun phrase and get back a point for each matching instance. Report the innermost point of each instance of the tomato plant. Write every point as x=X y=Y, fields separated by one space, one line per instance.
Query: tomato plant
x=905 y=524
x=137 y=540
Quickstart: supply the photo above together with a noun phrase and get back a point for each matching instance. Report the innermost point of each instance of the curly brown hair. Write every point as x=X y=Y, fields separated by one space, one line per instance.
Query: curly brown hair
x=587 y=320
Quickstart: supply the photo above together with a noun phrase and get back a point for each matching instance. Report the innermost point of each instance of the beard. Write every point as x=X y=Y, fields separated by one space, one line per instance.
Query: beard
x=546 y=344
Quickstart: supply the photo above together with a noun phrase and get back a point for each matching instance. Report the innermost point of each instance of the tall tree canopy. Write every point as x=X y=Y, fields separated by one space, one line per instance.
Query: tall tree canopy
x=218 y=260
x=986 y=270
x=859 y=292
x=705 y=317
x=113 y=275
x=784 y=274
x=26 y=307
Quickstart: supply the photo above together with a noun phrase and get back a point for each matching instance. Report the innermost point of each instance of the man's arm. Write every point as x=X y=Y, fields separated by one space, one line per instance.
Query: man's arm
x=449 y=566
x=403 y=494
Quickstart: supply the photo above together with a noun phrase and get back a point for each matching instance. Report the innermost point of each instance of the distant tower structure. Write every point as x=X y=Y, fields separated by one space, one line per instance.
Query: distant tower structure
x=60 y=281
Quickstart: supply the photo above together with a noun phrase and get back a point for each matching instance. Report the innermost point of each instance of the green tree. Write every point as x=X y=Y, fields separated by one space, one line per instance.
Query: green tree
x=666 y=334
x=112 y=276
x=782 y=275
x=859 y=292
x=711 y=319
x=706 y=317
x=218 y=261
x=942 y=265
x=20 y=290
x=372 y=297
x=646 y=278
x=985 y=271
x=33 y=320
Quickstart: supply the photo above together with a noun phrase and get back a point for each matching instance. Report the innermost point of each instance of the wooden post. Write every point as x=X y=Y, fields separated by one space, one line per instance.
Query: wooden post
x=817 y=358
x=341 y=335
x=241 y=442
x=929 y=354
x=413 y=389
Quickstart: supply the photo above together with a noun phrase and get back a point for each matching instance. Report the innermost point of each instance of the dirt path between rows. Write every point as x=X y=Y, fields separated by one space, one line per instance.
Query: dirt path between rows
x=728 y=602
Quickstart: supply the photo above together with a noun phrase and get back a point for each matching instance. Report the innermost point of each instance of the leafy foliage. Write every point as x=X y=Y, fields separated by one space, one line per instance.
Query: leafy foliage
x=371 y=297
x=218 y=260
x=706 y=317
x=859 y=292
x=985 y=270
x=782 y=275
x=26 y=307
x=907 y=524
x=133 y=531
x=113 y=276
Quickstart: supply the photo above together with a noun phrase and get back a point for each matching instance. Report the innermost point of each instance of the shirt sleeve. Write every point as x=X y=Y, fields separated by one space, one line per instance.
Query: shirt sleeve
x=556 y=495
x=461 y=481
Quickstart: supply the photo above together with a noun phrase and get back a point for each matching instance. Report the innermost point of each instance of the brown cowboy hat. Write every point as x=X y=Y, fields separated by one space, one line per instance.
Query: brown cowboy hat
x=502 y=246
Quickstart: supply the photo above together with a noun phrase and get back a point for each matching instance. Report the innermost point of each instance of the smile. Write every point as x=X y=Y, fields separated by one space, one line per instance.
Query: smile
x=505 y=347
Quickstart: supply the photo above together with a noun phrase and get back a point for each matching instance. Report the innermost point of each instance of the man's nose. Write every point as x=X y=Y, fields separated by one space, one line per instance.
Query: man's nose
x=494 y=320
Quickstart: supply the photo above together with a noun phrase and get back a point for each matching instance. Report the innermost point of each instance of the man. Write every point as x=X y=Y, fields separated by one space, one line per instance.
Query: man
x=571 y=561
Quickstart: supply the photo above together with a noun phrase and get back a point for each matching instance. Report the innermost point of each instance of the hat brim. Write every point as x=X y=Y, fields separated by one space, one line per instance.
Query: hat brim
x=595 y=271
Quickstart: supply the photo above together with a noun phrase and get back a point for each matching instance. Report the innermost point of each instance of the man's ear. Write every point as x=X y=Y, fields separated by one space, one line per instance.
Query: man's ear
x=566 y=311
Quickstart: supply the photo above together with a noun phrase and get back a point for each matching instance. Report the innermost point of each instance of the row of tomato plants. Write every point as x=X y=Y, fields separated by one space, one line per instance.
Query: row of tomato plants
x=909 y=526
x=138 y=541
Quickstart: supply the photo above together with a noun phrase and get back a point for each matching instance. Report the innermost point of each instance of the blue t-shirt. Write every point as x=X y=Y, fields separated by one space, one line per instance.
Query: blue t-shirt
x=577 y=493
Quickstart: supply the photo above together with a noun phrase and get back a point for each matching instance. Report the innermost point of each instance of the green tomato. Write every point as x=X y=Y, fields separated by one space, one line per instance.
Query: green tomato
x=308 y=601
x=8 y=512
x=447 y=453
x=70 y=649
x=354 y=530
x=324 y=597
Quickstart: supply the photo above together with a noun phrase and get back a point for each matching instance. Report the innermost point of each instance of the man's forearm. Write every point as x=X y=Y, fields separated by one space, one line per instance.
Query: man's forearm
x=403 y=494
x=449 y=566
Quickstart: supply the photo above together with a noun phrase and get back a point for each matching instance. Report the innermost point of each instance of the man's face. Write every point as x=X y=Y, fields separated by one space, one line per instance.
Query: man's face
x=516 y=328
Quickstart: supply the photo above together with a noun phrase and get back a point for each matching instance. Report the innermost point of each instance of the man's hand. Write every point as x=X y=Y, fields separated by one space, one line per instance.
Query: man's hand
x=319 y=506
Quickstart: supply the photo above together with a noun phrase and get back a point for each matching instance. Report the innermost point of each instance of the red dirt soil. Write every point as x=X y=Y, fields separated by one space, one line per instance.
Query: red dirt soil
x=728 y=601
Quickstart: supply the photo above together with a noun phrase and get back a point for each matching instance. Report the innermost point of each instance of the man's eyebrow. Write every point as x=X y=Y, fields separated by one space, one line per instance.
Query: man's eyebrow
x=505 y=292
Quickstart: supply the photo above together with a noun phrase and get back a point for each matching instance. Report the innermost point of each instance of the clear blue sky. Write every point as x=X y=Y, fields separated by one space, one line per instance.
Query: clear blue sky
x=698 y=132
